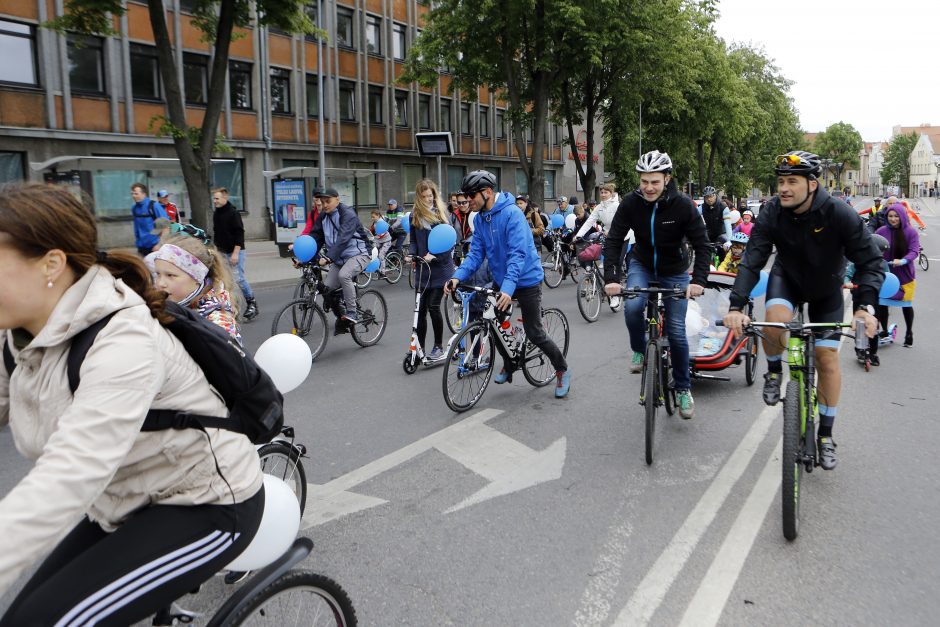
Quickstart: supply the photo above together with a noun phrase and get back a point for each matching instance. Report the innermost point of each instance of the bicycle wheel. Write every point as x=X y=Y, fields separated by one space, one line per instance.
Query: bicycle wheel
x=453 y=312
x=666 y=391
x=469 y=366
x=589 y=297
x=301 y=289
x=373 y=315
x=282 y=460
x=551 y=266
x=750 y=360
x=393 y=268
x=792 y=461
x=923 y=261
x=536 y=367
x=363 y=279
x=299 y=597
x=305 y=319
x=650 y=400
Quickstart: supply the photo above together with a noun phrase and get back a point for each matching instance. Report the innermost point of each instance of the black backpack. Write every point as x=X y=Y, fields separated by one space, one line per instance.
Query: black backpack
x=255 y=405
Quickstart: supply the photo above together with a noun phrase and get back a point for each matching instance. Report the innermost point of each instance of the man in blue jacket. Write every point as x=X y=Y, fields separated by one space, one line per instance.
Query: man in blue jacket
x=503 y=238
x=145 y=211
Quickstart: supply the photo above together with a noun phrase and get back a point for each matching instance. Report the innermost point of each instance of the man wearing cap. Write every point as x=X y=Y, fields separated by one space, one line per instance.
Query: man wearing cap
x=393 y=216
x=345 y=242
x=172 y=212
x=145 y=211
x=562 y=207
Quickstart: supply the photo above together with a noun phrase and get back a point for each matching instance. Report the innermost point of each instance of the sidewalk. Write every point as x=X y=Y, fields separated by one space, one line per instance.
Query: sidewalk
x=264 y=267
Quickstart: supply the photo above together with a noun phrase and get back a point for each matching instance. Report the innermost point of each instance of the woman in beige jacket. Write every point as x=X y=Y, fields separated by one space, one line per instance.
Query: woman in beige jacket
x=129 y=521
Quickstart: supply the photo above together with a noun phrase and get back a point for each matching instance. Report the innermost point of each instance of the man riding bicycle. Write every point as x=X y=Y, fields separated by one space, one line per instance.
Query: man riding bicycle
x=502 y=236
x=812 y=232
x=660 y=217
x=713 y=212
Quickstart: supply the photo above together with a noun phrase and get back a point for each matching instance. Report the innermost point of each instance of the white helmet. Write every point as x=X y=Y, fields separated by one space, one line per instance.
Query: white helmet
x=654 y=161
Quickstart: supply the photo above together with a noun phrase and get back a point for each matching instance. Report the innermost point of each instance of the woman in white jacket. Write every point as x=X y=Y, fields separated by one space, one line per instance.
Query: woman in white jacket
x=603 y=214
x=129 y=521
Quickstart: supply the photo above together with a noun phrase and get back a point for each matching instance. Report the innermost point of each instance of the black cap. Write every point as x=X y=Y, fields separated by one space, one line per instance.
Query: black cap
x=329 y=192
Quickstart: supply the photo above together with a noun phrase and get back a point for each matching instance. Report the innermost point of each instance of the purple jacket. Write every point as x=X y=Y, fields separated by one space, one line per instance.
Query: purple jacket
x=905 y=273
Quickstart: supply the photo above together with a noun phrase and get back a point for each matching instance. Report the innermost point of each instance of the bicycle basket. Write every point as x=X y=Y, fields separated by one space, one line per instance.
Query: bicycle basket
x=591 y=252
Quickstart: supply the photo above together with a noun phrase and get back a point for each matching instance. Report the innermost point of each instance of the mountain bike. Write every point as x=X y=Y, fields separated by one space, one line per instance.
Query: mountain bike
x=655 y=388
x=394 y=268
x=591 y=294
x=559 y=261
x=472 y=352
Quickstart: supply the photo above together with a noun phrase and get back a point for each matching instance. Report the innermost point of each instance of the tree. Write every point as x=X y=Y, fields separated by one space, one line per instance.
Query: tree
x=217 y=20
x=840 y=144
x=897 y=165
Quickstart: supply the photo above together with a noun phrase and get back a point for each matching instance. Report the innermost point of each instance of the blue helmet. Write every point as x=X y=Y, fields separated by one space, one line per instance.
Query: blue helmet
x=740 y=238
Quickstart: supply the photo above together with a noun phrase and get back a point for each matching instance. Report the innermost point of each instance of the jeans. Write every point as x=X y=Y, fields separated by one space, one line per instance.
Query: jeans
x=634 y=314
x=530 y=302
x=239 y=269
x=345 y=276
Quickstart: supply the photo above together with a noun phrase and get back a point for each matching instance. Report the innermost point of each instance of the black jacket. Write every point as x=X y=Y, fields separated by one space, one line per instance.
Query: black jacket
x=227 y=229
x=714 y=219
x=878 y=219
x=659 y=228
x=811 y=250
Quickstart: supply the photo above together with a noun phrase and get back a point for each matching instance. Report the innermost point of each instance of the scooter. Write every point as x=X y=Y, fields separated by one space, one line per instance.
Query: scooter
x=890 y=337
x=416 y=355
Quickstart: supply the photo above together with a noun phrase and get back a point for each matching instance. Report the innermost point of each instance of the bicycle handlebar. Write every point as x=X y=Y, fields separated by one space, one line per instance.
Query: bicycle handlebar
x=673 y=292
x=791 y=325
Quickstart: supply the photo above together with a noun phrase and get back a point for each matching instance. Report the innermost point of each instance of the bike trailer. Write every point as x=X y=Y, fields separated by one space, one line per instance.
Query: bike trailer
x=712 y=347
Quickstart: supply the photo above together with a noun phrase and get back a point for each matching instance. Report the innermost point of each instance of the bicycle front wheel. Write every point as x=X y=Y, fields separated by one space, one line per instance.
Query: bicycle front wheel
x=551 y=266
x=393 y=268
x=923 y=261
x=282 y=460
x=305 y=319
x=299 y=597
x=793 y=441
x=373 y=315
x=589 y=297
x=536 y=366
x=650 y=393
x=667 y=392
x=750 y=360
x=453 y=312
x=469 y=366
x=363 y=279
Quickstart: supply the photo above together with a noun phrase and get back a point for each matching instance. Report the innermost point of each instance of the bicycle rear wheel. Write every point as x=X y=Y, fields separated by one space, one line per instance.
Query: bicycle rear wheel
x=373 y=315
x=923 y=261
x=393 y=268
x=792 y=461
x=750 y=360
x=453 y=312
x=363 y=279
x=589 y=297
x=305 y=319
x=536 y=367
x=469 y=366
x=299 y=597
x=282 y=460
x=551 y=267
x=650 y=393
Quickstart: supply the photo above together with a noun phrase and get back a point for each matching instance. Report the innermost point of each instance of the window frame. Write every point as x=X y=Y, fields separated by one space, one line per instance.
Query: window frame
x=424 y=99
x=145 y=51
x=201 y=62
x=241 y=67
x=376 y=120
x=374 y=24
x=350 y=88
x=368 y=184
x=446 y=121
x=93 y=43
x=33 y=50
x=311 y=83
x=483 y=121
x=343 y=14
x=409 y=186
x=281 y=74
x=399 y=30
x=500 y=129
x=402 y=121
x=465 y=109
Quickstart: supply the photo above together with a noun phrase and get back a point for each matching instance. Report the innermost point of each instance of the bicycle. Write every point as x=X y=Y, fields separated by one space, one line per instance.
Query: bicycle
x=394 y=268
x=922 y=259
x=281 y=457
x=800 y=410
x=591 y=292
x=470 y=355
x=655 y=388
x=306 y=318
x=559 y=261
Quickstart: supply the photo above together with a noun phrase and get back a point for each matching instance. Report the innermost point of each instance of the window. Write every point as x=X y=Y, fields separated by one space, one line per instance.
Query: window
x=522 y=183
x=373 y=34
x=239 y=82
x=549 y=184
x=18 y=54
x=464 y=118
x=344 y=28
x=280 y=90
x=188 y=6
x=229 y=176
x=455 y=174
x=11 y=167
x=500 y=124
x=424 y=112
x=313 y=102
x=528 y=134
x=347 y=101
x=112 y=191
x=367 y=193
x=196 y=78
x=145 y=72
x=86 y=64
x=484 y=125
x=498 y=173
x=401 y=109
x=375 y=104
x=411 y=174
x=311 y=10
x=445 y=115
x=399 y=41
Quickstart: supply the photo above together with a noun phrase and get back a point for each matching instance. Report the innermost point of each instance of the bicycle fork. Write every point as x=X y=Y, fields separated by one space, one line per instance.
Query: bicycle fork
x=802 y=370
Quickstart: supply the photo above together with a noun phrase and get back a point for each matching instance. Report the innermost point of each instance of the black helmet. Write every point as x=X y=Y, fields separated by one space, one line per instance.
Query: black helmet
x=798 y=162
x=880 y=241
x=477 y=180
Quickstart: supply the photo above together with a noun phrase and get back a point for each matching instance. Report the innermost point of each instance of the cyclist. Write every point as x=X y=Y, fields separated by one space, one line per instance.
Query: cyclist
x=382 y=242
x=462 y=221
x=661 y=218
x=505 y=240
x=713 y=212
x=735 y=254
x=603 y=215
x=813 y=233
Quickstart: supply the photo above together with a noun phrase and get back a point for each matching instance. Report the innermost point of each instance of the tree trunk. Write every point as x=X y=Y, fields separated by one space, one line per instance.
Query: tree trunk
x=700 y=157
x=712 y=149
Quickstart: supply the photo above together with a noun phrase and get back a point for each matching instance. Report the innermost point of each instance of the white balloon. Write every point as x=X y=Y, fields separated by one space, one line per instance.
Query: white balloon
x=569 y=221
x=287 y=360
x=694 y=322
x=280 y=523
x=375 y=253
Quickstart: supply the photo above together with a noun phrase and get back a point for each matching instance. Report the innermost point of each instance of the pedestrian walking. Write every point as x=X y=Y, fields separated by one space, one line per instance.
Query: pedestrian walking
x=229 y=233
x=145 y=211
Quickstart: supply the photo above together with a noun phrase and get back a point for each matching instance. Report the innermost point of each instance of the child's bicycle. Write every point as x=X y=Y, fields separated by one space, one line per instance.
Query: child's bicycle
x=472 y=352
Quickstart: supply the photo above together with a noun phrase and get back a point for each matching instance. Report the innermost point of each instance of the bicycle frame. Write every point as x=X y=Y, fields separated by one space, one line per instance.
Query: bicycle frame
x=512 y=355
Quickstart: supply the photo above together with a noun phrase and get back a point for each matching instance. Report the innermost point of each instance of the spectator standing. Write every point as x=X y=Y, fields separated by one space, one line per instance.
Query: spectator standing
x=562 y=207
x=229 y=233
x=172 y=211
x=145 y=211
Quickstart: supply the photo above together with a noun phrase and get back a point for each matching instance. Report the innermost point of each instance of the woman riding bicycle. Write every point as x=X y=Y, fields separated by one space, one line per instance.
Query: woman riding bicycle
x=129 y=521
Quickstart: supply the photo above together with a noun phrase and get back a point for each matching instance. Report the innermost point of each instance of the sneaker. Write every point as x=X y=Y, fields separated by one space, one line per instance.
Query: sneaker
x=827 y=453
x=351 y=317
x=251 y=311
x=772 y=387
x=636 y=366
x=908 y=340
x=686 y=403
x=436 y=353
x=562 y=383
x=875 y=360
x=502 y=377
x=615 y=303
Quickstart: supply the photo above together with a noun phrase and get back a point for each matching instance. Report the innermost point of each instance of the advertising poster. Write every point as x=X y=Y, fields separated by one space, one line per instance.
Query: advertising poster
x=290 y=212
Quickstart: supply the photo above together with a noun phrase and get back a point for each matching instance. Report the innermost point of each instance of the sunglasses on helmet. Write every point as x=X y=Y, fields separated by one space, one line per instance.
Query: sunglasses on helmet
x=790 y=160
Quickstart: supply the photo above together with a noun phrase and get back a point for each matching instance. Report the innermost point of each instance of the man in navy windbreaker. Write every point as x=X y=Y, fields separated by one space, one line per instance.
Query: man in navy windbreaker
x=502 y=237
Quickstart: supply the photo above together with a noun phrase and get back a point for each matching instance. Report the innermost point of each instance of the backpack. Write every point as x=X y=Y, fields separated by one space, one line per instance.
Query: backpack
x=255 y=405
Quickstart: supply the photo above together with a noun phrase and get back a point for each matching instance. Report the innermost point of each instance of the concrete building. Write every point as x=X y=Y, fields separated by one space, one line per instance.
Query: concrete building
x=925 y=166
x=64 y=95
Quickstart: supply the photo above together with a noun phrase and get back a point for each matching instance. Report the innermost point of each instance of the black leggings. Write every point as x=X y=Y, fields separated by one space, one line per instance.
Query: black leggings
x=431 y=304
x=157 y=556
x=882 y=315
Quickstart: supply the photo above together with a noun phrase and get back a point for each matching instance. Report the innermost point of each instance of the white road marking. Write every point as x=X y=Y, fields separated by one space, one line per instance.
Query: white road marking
x=649 y=595
x=709 y=601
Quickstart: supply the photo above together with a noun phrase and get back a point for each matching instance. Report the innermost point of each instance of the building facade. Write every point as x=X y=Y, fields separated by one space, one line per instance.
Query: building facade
x=925 y=166
x=98 y=96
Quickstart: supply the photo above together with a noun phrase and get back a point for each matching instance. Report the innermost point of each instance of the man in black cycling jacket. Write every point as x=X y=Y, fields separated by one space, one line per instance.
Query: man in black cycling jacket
x=660 y=217
x=713 y=212
x=813 y=233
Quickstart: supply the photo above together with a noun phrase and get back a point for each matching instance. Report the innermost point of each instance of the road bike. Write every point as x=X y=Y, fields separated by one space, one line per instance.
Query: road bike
x=655 y=388
x=472 y=352
x=305 y=317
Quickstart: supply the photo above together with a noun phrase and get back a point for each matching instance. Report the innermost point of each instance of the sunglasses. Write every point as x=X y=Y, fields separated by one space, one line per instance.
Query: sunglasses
x=472 y=195
x=789 y=160
x=463 y=202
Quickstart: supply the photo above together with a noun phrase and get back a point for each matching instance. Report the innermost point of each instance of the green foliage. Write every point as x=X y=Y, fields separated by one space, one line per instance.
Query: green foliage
x=841 y=143
x=897 y=164
x=161 y=126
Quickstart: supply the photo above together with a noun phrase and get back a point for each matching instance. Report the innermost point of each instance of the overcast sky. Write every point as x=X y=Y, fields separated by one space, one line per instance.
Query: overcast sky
x=846 y=57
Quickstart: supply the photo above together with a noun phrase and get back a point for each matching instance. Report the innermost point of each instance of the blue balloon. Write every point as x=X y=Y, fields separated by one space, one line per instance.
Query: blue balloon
x=381 y=227
x=373 y=266
x=557 y=220
x=890 y=287
x=406 y=223
x=761 y=288
x=441 y=239
x=305 y=248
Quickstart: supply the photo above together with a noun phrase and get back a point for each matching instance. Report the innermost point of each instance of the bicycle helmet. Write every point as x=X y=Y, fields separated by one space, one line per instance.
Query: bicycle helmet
x=709 y=191
x=880 y=241
x=477 y=180
x=654 y=161
x=798 y=162
x=740 y=238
